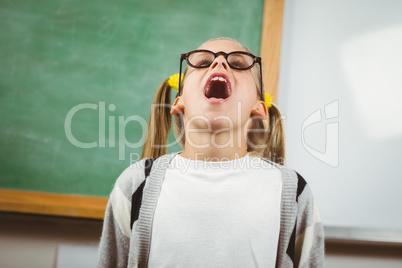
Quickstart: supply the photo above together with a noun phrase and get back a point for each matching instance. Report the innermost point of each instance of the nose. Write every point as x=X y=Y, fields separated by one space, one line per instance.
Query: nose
x=220 y=61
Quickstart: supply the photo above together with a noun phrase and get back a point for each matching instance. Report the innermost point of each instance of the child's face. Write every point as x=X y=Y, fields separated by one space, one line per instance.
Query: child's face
x=203 y=111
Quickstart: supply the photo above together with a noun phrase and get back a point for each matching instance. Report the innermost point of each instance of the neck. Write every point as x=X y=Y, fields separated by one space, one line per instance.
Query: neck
x=222 y=146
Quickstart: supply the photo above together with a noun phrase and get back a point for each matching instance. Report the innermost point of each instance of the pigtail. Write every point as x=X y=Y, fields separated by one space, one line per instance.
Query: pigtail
x=275 y=149
x=159 y=123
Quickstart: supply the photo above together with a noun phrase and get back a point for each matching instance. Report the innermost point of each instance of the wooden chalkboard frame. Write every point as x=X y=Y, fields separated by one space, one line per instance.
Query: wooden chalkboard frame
x=52 y=204
x=94 y=207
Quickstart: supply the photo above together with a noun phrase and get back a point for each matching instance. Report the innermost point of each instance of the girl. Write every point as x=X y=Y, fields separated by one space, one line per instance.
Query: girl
x=226 y=200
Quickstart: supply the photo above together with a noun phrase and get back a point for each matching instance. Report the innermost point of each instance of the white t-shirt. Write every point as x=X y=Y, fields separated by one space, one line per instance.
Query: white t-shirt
x=217 y=214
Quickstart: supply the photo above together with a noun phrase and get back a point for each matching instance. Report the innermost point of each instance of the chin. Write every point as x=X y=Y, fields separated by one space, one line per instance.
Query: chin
x=222 y=122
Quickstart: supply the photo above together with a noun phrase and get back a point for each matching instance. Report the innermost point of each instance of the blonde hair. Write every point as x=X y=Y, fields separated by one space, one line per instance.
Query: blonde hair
x=266 y=140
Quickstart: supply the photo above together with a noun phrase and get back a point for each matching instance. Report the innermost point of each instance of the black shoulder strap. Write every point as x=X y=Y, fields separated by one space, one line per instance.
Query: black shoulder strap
x=301 y=184
x=136 y=198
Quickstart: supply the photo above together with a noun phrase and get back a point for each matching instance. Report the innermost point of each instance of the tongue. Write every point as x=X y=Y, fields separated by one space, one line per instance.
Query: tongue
x=217 y=90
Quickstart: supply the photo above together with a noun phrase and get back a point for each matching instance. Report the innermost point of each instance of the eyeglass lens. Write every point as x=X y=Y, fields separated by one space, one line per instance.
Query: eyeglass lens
x=202 y=59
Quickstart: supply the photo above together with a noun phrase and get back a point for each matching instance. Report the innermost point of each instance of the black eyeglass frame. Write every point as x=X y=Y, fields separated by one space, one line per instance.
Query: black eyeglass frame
x=256 y=59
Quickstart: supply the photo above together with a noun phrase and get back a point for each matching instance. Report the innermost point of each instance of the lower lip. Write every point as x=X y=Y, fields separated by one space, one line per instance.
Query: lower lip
x=215 y=100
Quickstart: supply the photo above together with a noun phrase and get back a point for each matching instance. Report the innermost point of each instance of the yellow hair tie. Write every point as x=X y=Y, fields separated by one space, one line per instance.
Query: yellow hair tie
x=173 y=81
x=268 y=100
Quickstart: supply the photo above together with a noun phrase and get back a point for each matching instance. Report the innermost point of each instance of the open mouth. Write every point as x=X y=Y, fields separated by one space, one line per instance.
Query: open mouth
x=218 y=88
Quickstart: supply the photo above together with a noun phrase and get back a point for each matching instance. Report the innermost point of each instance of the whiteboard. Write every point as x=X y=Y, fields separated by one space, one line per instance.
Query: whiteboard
x=340 y=88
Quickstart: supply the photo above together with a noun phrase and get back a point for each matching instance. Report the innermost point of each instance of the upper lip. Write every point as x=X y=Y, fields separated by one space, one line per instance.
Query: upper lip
x=222 y=75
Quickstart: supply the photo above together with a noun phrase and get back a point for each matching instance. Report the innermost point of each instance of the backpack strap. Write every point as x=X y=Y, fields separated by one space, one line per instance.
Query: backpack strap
x=301 y=184
x=136 y=198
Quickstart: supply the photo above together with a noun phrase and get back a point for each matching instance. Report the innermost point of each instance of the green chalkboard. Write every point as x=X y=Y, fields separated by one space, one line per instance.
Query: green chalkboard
x=77 y=80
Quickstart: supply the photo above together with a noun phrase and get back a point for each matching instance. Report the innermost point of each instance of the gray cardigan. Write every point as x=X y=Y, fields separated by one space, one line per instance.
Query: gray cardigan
x=301 y=239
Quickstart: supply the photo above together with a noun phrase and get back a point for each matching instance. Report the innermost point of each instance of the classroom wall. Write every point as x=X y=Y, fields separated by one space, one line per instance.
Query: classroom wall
x=34 y=241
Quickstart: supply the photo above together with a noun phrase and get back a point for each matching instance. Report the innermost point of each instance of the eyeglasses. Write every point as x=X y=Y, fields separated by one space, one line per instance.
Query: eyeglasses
x=238 y=60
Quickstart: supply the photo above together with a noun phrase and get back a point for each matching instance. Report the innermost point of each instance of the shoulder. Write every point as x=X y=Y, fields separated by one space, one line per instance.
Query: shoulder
x=130 y=179
x=133 y=176
x=302 y=187
x=292 y=180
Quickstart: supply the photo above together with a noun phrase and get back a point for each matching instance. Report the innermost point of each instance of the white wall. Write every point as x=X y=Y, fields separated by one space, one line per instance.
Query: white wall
x=345 y=56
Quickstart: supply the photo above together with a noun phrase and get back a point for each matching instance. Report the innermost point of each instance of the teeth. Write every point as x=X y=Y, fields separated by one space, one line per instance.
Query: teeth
x=216 y=78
